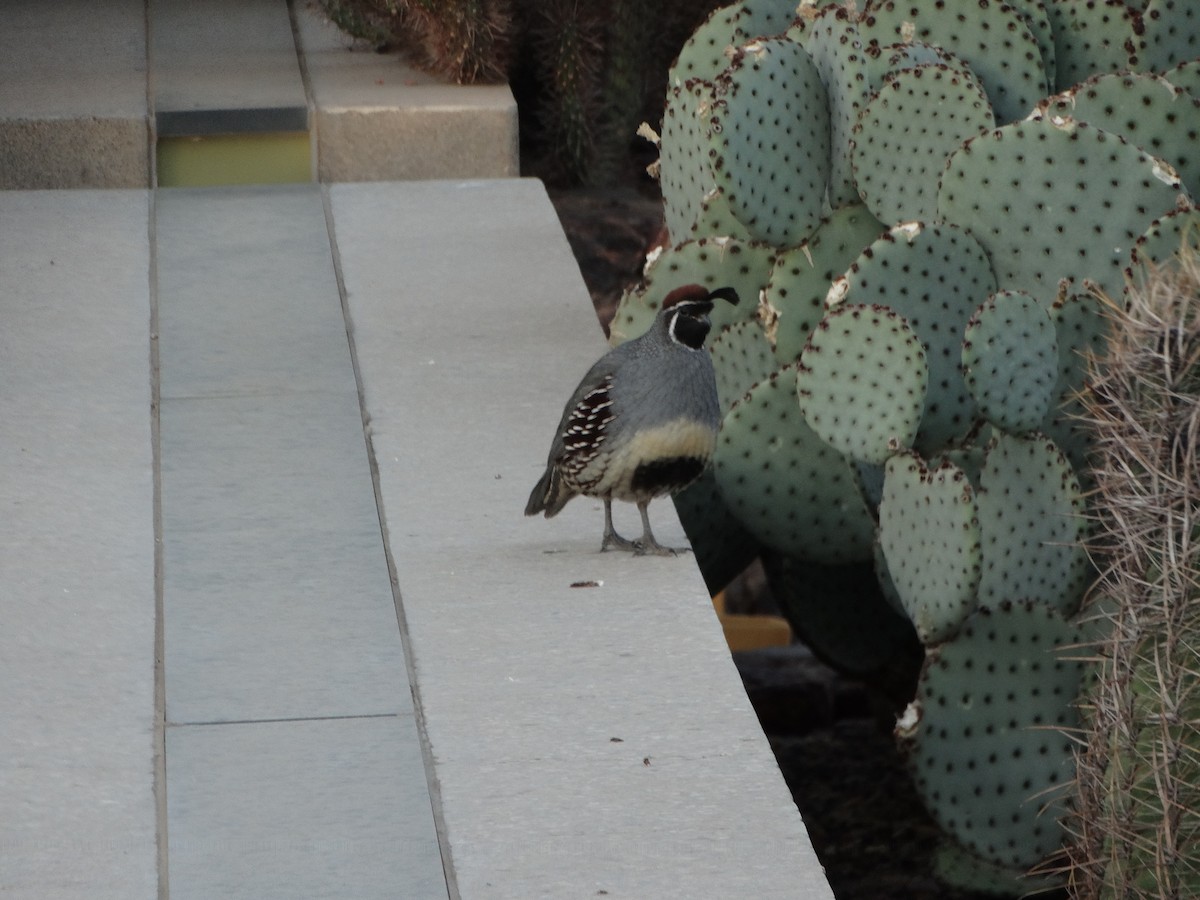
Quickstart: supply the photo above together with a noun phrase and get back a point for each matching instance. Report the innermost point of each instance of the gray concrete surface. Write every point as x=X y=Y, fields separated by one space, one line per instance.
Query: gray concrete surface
x=80 y=82
x=565 y=740
x=379 y=119
x=584 y=739
x=225 y=66
x=73 y=95
x=77 y=583
x=291 y=734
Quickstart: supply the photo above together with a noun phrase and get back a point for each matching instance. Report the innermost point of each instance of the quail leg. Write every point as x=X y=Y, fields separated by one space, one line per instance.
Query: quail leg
x=611 y=538
x=648 y=544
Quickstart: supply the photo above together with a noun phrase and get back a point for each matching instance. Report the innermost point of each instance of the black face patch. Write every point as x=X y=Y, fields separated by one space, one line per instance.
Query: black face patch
x=690 y=330
x=666 y=476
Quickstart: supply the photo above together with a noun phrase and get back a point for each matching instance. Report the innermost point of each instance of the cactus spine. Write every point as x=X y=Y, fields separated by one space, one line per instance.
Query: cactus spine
x=1138 y=823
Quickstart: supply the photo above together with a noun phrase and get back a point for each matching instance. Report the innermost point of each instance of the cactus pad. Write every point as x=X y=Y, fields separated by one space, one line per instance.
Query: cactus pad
x=769 y=133
x=929 y=535
x=886 y=60
x=906 y=133
x=712 y=262
x=714 y=218
x=1010 y=359
x=994 y=41
x=1186 y=76
x=1164 y=238
x=685 y=174
x=862 y=381
x=789 y=488
x=1170 y=34
x=935 y=276
x=831 y=39
x=1147 y=110
x=722 y=547
x=794 y=298
x=1037 y=20
x=839 y=613
x=984 y=737
x=742 y=358
x=1055 y=198
x=1082 y=328
x=1090 y=36
x=1031 y=522
x=705 y=54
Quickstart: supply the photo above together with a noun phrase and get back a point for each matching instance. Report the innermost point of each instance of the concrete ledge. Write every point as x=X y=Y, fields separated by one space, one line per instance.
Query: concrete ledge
x=585 y=740
x=579 y=726
x=73 y=95
x=224 y=59
x=75 y=152
x=378 y=119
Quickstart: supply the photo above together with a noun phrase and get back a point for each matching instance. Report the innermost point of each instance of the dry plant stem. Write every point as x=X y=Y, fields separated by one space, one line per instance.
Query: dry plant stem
x=1137 y=828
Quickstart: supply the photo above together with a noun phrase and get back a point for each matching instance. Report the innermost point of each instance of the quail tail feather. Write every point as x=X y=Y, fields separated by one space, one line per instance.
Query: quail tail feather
x=549 y=495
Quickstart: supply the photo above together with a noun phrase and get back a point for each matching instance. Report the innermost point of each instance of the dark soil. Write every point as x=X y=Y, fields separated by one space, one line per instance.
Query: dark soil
x=831 y=734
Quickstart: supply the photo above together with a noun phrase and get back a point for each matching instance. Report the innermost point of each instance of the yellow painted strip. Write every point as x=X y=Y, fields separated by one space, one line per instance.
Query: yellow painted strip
x=273 y=158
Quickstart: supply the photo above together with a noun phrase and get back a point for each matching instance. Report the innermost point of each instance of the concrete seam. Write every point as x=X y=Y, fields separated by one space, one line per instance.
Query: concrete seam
x=309 y=100
x=435 y=793
x=282 y=719
x=160 y=687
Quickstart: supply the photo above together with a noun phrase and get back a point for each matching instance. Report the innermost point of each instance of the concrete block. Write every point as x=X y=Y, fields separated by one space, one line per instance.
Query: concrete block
x=225 y=65
x=248 y=299
x=73 y=108
x=378 y=119
x=276 y=596
x=77 y=647
x=314 y=809
x=569 y=649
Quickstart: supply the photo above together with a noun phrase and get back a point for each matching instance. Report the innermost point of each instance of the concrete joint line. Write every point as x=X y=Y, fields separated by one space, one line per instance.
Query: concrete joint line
x=435 y=797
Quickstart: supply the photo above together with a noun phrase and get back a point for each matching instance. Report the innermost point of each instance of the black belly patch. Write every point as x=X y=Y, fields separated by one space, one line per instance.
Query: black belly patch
x=664 y=476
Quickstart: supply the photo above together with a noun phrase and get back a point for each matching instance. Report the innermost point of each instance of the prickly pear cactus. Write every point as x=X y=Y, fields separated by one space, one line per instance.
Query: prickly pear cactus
x=862 y=382
x=1039 y=173
x=685 y=172
x=1010 y=359
x=1031 y=524
x=979 y=271
x=769 y=137
x=985 y=737
x=830 y=36
x=742 y=358
x=712 y=262
x=1090 y=36
x=905 y=134
x=930 y=538
x=935 y=276
x=793 y=300
x=1170 y=35
x=841 y=614
x=1081 y=326
x=1158 y=117
x=723 y=548
x=790 y=489
x=994 y=41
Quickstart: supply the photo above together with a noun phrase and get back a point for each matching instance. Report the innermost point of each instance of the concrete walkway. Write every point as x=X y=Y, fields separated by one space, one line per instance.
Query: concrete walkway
x=273 y=625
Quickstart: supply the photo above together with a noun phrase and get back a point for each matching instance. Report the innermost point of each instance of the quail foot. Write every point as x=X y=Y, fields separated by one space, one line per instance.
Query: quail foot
x=643 y=421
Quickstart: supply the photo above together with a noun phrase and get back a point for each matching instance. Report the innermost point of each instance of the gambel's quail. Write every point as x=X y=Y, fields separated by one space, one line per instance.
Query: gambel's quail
x=642 y=423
